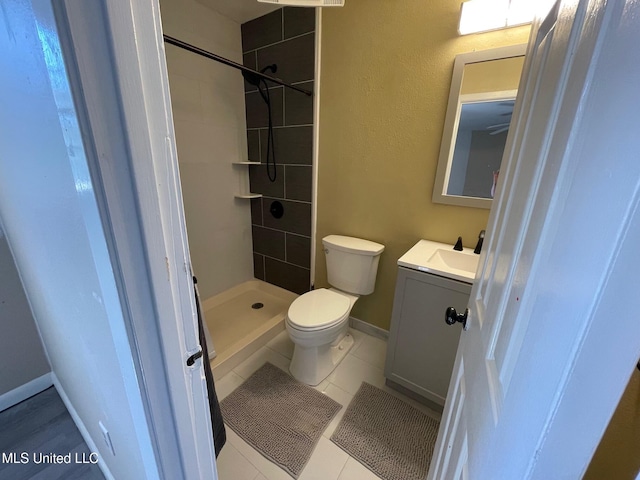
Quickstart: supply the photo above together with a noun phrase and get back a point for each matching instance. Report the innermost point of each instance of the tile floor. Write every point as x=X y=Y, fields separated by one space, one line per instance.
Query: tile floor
x=365 y=362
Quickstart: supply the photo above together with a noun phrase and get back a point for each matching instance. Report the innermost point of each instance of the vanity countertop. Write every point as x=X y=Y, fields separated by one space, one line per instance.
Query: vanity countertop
x=441 y=259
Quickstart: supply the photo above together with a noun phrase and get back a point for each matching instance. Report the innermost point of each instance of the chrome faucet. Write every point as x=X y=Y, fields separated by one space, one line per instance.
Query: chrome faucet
x=479 y=244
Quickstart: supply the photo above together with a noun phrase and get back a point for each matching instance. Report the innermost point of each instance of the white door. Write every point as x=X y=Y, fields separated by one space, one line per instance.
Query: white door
x=117 y=69
x=530 y=393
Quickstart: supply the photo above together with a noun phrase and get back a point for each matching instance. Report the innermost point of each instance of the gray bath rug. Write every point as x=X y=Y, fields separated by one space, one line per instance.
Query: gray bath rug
x=393 y=439
x=280 y=417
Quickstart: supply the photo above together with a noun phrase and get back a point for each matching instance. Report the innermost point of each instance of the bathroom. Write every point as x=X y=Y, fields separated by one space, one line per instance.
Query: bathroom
x=374 y=119
x=376 y=135
x=377 y=115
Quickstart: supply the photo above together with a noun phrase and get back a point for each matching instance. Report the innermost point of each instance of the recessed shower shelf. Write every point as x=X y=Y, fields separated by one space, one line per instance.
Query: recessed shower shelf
x=244 y=181
x=248 y=195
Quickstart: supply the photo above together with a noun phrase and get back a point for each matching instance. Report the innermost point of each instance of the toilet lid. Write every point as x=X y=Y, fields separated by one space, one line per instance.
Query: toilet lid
x=317 y=309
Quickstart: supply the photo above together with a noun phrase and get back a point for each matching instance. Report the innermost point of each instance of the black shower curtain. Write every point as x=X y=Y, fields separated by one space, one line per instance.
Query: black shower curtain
x=219 y=432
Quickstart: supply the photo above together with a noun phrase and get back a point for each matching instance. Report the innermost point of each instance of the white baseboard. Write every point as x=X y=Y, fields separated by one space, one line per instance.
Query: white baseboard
x=83 y=430
x=29 y=389
x=365 y=327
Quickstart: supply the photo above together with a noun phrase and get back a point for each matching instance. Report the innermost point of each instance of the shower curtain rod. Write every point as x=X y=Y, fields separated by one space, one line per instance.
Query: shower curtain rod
x=217 y=58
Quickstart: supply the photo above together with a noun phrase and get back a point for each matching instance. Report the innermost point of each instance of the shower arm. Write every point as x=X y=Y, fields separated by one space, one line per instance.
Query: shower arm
x=217 y=58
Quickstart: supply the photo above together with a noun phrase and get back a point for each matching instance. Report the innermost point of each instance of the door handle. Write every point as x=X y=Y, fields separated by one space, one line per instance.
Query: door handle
x=452 y=317
x=192 y=359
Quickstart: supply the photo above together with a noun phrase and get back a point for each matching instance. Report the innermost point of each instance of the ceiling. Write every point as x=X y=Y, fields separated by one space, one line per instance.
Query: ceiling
x=240 y=10
x=481 y=115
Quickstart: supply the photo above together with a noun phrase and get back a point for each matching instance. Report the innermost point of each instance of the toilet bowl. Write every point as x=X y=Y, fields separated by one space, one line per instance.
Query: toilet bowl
x=318 y=321
x=318 y=325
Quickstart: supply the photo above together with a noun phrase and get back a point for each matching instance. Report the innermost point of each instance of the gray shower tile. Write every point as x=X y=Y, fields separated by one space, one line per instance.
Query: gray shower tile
x=258 y=266
x=256 y=211
x=249 y=60
x=297 y=182
x=253 y=145
x=287 y=276
x=293 y=145
x=295 y=58
x=298 y=250
x=260 y=183
x=262 y=31
x=257 y=112
x=298 y=20
x=298 y=107
x=268 y=242
x=296 y=218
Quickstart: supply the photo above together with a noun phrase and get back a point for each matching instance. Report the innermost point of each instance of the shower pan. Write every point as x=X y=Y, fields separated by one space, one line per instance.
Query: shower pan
x=239 y=327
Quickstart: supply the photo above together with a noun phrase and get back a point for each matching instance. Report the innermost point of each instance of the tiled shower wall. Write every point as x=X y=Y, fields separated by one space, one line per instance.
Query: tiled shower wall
x=282 y=246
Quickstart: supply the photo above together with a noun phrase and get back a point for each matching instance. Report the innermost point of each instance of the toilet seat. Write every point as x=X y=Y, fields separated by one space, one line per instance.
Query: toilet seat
x=318 y=309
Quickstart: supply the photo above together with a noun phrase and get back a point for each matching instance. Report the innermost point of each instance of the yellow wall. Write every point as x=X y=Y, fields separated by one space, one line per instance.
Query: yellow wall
x=618 y=455
x=385 y=73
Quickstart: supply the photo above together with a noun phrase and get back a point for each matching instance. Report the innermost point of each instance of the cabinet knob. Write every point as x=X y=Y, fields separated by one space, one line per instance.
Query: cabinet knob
x=452 y=317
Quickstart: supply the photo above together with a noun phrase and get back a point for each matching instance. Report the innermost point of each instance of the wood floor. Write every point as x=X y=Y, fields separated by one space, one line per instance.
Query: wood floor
x=42 y=425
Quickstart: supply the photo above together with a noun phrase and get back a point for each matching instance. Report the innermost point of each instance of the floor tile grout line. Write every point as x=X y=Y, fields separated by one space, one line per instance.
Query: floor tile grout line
x=258 y=472
x=243 y=379
x=343 y=467
x=341 y=389
x=345 y=462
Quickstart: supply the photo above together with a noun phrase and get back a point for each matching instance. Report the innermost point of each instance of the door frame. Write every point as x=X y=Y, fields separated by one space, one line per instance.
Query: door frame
x=114 y=54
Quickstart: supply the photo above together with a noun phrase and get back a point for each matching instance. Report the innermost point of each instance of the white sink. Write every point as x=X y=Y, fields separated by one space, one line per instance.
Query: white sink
x=454 y=260
x=441 y=259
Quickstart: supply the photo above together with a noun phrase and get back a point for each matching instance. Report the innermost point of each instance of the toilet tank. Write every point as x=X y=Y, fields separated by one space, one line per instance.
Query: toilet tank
x=352 y=263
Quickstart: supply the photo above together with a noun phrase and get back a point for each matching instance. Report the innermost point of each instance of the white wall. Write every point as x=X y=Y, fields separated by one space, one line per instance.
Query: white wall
x=22 y=357
x=48 y=209
x=209 y=116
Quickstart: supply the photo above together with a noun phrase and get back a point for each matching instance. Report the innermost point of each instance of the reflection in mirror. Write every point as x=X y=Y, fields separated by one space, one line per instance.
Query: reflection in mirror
x=481 y=102
x=483 y=124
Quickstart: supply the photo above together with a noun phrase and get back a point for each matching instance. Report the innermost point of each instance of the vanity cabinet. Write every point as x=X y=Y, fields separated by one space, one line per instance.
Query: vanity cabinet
x=422 y=347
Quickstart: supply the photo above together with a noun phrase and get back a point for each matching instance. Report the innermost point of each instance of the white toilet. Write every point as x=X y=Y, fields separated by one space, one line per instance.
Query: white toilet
x=318 y=321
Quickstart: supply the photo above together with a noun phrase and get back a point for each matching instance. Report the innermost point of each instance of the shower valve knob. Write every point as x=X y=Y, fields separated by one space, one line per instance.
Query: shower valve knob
x=276 y=209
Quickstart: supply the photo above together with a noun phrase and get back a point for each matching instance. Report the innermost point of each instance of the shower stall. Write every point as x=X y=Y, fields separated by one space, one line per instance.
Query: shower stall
x=245 y=149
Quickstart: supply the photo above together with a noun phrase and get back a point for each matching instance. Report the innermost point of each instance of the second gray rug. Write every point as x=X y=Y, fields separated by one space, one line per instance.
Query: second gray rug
x=393 y=439
x=278 y=416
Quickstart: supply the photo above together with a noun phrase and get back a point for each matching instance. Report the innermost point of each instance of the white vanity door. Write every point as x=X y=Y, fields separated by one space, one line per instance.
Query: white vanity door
x=537 y=285
x=422 y=348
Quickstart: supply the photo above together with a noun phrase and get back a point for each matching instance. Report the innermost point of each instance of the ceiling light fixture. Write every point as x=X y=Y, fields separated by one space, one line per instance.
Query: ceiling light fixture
x=485 y=15
x=307 y=3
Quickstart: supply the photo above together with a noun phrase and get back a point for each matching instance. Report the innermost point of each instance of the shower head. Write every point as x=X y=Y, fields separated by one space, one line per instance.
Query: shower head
x=273 y=68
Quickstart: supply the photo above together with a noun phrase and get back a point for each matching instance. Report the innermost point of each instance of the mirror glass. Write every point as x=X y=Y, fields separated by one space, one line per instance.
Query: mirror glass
x=481 y=102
